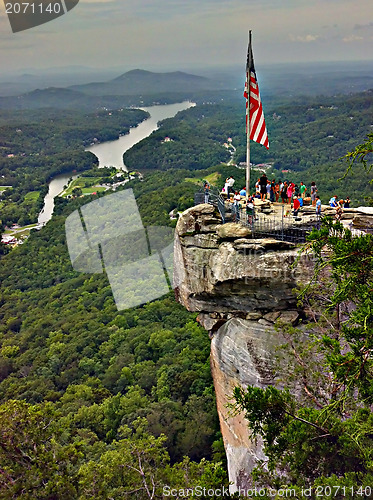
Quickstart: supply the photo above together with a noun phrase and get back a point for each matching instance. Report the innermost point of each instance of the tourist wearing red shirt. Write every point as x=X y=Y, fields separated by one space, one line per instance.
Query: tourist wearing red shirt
x=296 y=206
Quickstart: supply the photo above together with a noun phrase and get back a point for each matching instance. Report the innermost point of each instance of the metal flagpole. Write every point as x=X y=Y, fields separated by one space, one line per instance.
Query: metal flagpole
x=248 y=64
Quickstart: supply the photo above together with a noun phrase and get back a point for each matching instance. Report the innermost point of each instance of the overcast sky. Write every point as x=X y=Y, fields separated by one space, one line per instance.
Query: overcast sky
x=177 y=34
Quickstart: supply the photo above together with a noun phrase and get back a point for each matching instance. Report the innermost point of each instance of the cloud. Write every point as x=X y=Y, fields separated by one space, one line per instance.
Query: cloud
x=177 y=33
x=363 y=26
x=304 y=39
x=330 y=26
x=352 y=38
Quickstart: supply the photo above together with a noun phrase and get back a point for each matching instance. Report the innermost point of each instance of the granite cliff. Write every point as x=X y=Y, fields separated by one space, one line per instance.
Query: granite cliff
x=240 y=286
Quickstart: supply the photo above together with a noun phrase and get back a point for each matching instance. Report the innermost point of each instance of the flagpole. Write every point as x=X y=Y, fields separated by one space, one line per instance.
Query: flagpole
x=248 y=123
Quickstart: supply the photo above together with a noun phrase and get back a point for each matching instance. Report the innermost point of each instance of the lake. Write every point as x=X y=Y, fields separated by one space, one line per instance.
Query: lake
x=110 y=153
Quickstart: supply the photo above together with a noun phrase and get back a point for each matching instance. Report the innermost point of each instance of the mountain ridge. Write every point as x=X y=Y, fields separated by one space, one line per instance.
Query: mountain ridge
x=139 y=81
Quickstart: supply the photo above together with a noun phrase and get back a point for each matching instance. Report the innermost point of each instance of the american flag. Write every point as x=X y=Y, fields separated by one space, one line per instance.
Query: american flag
x=258 y=131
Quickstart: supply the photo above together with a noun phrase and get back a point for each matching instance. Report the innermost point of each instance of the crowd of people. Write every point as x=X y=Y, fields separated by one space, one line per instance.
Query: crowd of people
x=274 y=190
x=282 y=191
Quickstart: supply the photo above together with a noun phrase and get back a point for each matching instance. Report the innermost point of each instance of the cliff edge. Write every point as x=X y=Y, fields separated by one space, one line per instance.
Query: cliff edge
x=240 y=286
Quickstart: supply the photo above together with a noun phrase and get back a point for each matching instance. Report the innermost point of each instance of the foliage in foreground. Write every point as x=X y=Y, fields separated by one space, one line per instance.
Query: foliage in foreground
x=42 y=457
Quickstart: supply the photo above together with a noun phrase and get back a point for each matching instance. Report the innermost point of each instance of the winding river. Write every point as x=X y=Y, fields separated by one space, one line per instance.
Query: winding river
x=56 y=187
x=110 y=153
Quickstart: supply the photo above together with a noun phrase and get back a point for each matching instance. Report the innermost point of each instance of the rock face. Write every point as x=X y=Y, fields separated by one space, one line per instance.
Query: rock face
x=363 y=221
x=240 y=286
x=242 y=353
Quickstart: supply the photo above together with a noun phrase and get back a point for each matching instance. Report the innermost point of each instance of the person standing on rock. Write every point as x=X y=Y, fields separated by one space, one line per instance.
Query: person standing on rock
x=250 y=210
x=226 y=187
x=284 y=195
x=268 y=187
x=302 y=190
x=236 y=206
x=263 y=186
x=231 y=181
x=290 y=191
x=313 y=193
x=207 y=192
x=272 y=191
x=257 y=187
x=318 y=206
x=277 y=191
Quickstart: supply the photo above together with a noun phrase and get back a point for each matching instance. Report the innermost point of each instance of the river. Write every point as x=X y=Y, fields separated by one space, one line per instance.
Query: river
x=56 y=186
x=110 y=153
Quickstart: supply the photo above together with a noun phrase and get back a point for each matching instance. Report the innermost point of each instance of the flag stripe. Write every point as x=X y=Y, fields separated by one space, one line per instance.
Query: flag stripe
x=258 y=130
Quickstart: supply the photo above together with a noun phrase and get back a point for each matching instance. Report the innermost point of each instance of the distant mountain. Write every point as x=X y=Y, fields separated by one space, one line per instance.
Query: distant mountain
x=16 y=84
x=54 y=97
x=65 y=98
x=50 y=97
x=136 y=87
x=27 y=76
x=141 y=82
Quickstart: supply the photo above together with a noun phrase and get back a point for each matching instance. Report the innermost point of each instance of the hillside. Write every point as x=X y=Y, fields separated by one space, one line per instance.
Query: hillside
x=36 y=145
x=62 y=98
x=307 y=136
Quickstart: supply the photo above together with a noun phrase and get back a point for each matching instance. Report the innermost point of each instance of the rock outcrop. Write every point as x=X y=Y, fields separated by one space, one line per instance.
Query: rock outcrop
x=218 y=268
x=240 y=286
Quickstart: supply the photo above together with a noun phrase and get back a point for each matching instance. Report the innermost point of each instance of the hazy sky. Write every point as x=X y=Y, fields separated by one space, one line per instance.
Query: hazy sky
x=177 y=34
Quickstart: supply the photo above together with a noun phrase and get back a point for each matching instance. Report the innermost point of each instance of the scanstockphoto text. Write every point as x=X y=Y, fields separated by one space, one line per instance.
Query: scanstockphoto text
x=319 y=491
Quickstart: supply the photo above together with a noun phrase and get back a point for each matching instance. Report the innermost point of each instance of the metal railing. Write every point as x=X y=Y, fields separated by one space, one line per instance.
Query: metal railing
x=278 y=225
x=281 y=225
x=221 y=206
x=274 y=227
x=261 y=225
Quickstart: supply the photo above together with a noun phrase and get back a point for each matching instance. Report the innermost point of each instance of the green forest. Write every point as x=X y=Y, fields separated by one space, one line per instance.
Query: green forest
x=89 y=375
